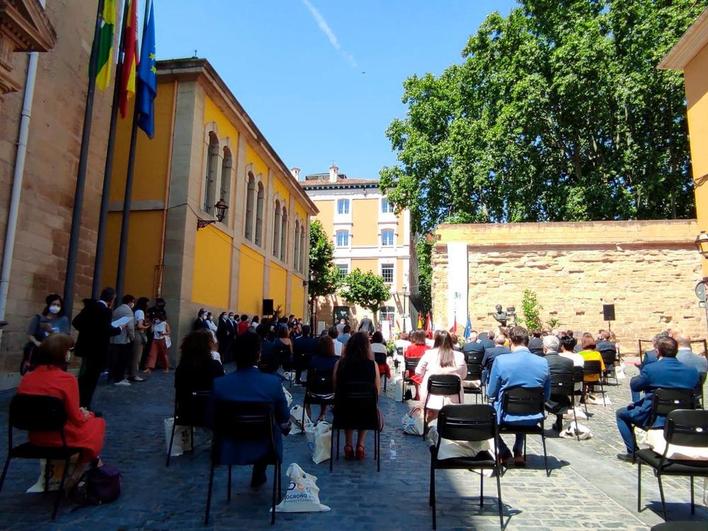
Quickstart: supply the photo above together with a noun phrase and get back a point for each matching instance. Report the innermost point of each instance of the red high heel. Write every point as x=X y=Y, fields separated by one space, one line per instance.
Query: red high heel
x=360 y=452
x=348 y=452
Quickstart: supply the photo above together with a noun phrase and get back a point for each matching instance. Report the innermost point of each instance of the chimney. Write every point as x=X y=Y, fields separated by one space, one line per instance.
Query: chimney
x=296 y=173
x=333 y=173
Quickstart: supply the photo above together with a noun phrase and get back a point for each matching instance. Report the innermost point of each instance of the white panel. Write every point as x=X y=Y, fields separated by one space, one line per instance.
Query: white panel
x=457 y=284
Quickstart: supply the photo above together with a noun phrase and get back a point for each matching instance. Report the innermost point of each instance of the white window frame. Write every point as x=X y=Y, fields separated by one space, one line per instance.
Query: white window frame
x=336 y=239
x=344 y=201
x=392 y=232
x=340 y=267
x=393 y=271
x=389 y=209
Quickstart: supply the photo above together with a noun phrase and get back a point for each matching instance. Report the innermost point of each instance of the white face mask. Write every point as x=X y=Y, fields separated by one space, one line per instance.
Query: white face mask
x=54 y=309
x=157 y=321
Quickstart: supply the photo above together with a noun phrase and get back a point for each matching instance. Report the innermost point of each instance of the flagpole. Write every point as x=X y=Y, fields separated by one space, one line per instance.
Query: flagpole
x=108 y=168
x=81 y=172
x=127 y=199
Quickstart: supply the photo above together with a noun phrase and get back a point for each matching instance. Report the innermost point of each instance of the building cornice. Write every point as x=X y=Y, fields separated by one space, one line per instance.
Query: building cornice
x=688 y=46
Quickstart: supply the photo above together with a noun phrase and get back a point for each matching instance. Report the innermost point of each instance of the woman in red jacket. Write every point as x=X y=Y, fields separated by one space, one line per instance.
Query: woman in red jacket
x=415 y=351
x=48 y=377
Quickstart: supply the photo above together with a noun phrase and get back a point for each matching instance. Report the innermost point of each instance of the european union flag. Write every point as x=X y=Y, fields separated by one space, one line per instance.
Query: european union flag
x=147 y=77
x=468 y=328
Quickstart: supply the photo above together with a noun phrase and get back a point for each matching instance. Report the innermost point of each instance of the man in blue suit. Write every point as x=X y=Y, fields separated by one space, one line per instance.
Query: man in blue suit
x=490 y=354
x=518 y=369
x=668 y=373
x=248 y=384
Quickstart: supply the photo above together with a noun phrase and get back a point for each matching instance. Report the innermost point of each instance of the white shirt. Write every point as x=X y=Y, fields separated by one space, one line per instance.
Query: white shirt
x=402 y=343
x=139 y=315
x=338 y=346
x=428 y=365
x=577 y=359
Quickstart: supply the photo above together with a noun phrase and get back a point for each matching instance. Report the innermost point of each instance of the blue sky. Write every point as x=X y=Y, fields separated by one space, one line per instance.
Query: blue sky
x=322 y=79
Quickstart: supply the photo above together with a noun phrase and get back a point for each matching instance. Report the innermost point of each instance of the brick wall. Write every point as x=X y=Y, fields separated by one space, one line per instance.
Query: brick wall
x=53 y=147
x=647 y=269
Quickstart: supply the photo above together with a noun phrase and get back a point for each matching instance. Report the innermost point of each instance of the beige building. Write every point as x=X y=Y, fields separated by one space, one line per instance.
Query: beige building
x=368 y=235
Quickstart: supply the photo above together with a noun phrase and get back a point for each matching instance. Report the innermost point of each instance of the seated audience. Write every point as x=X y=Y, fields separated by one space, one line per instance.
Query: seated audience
x=536 y=343
x=248 y=384
x=567 y=350
x=668 y=373
x=357 y=366
x=345 y=335
x=589 y=353
x=473 y=344
x=324 y=360
x=197 y=367
x=518 y=369
x=416 y=351
x=605 y=342
x=686 y=356
x=441 y=359
x=378 y=346
x=650 y=356
x=488 y=342
x=304 y=348
x=556 y=364
x=490 y=354
x=48 y=377
x=402 y=342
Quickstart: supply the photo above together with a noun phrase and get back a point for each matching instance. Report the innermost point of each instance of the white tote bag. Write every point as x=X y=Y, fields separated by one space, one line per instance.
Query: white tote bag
x=322 y=443
x=182 y=441
x=303 y=495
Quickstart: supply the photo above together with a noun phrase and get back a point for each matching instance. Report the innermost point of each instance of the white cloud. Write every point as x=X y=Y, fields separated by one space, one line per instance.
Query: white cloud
x=329 y=33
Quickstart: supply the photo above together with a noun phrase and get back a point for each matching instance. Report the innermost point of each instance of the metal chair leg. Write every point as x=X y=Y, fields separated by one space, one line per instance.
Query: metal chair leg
x=430 y=485
x=378 y=451
x=275 y=490
x=61 y=489
x=602 y=390
x=575 y=418
x=228 y=488
x=499 y=497
x=481 y=488
x=639 y=486
x=304 y=405
x=46 y=475
x=545 y=456
x=432 y=495
x=661 y=491
x=172 y=438
x=4 y=472
x=693 y=504
x=211 y=483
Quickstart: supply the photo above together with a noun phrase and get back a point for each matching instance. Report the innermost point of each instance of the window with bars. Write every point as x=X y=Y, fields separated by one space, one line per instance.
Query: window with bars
x=343 y=270
x=387 y=313
x=387 y=273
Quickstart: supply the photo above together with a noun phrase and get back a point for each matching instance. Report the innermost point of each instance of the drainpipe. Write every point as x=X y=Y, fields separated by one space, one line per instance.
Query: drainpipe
x=11 y=230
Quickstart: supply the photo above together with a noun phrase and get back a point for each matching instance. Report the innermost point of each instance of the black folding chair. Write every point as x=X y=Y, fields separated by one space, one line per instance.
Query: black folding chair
x=36 y=413
x=356 y=408
x=563 y=384
x=663 y=402
x=473 y=423
x=609 y=358
x=699 y=394
x=190 y=412
x=579 y=386
x=593 y=368
x=525 y=401
x=380 y=359
x=683 y=427
x=243 y=422
x=473 y=360
x=409 y=365
x=319 y=390
x=440 y=385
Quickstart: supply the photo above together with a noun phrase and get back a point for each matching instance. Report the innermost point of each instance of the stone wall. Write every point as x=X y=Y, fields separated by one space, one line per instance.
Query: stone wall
x=47 y=200
x=647 y=269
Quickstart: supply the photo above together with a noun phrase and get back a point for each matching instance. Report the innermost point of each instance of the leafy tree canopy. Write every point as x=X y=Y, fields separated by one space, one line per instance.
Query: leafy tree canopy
x=324 y=276
x=557 y=113
x=365 y=289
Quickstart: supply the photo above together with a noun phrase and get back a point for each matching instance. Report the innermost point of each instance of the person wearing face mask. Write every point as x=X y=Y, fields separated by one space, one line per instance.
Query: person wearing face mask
x=160 y=344
x=51 y=321
x=122 y=344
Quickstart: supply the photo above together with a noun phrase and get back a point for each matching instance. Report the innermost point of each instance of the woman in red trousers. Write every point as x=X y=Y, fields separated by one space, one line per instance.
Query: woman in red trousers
x=48 y=377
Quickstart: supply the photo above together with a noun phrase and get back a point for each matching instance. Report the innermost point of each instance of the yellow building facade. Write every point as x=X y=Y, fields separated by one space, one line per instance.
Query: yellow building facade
x=206 y=148
x=690 y=55
x=368 y=235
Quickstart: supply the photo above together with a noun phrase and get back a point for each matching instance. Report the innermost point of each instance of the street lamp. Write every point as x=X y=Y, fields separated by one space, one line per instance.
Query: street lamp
x=702 y=243
x=221 y=208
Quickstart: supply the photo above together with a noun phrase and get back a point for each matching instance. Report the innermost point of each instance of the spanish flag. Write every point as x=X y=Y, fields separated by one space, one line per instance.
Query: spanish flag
x=130 y=57
x=105 y=45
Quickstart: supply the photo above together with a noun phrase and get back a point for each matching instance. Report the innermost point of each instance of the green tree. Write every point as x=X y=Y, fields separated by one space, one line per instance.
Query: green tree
x=324 y=277
x=365 y=289
x=423 y=251
x=557 y=113
x=531 y=310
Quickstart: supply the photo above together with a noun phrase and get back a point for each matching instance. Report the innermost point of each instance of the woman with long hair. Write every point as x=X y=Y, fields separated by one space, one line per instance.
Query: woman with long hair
x=323 y=361
x=441 y=359
x=356 y=366
x=197 y=368
x=378 y=348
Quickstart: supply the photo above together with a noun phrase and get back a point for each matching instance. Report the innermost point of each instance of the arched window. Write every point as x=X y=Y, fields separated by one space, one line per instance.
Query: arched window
x=212 y=174
x=276 y=230
x=284 y=236
x=250 y=193
x=259 y=214
x=226 y=165
x=303 y=248
x=296 y=245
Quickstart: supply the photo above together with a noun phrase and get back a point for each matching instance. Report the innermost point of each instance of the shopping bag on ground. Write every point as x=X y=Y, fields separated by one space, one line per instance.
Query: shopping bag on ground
x=296 y=420
x=182 y=441
x=575 y=429
x=288 y=396
x=322 y=442
x=412 y=422
x=303 y=495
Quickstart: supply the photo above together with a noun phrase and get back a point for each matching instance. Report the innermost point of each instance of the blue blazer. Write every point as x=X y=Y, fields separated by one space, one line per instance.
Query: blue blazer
x=252 y=385
x=518 y=369
x=668 y=373
x=490 y=355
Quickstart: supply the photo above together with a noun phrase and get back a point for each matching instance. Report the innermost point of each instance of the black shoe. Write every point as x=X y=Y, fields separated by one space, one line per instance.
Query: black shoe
x=258 y=479
x=629 y=458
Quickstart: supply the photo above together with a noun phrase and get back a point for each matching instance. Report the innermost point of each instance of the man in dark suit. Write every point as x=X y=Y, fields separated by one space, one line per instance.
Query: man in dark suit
x=304 y=348
x=95 y=331
x=473 y=344
x=536 y=343
x=488 y=342
x=225 y=332
x=604 y=344
x=248 y=384
x=557 y=364
x=668 y=373
x=490 y=354
x=366 y=325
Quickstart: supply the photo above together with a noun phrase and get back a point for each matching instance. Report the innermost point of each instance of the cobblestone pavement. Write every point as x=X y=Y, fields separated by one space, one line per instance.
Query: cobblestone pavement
x=588 y=487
